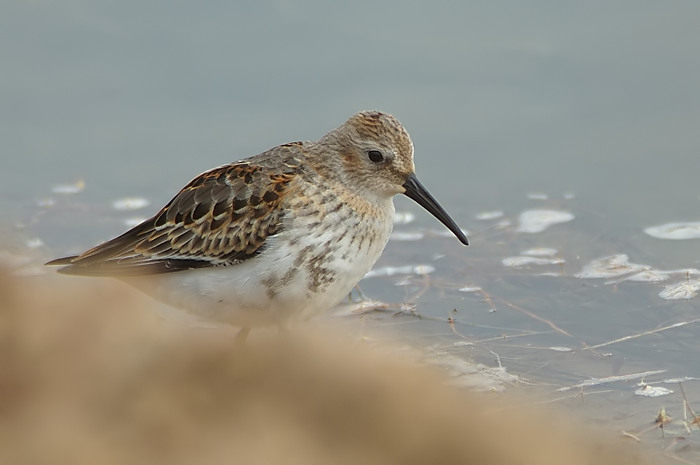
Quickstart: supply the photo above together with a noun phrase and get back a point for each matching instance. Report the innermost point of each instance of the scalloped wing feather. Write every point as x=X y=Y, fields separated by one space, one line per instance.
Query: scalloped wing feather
x=222 y=217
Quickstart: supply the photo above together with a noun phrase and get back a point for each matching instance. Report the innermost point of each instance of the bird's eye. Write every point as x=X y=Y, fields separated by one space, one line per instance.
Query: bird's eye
x=375 y=156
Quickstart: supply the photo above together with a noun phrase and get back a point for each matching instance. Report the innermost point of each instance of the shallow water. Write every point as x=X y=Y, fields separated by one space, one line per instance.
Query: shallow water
x=587 y=110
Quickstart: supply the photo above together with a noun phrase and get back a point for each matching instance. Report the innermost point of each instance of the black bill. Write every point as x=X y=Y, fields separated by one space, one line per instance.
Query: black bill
x=416 y=191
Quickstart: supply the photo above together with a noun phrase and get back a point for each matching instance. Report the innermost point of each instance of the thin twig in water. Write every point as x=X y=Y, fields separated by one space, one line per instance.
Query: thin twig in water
x=645 y=333
x=498 y=358
x=422 y=290
x=363 y=296
x=451 y=322
x=538 y=318
x=571 y=397
x=611 y=379
x=488 y=299
x=695 y=421
x=511 y=336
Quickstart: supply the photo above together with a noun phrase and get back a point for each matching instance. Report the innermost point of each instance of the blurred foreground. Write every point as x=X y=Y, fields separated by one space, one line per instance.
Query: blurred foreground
x=89 y=374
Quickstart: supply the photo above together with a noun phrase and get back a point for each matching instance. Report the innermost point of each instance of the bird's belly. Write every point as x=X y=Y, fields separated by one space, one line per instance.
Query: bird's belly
x=294 y=278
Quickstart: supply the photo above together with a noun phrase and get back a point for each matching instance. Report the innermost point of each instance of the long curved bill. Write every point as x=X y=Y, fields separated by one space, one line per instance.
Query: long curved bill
x=416 y=191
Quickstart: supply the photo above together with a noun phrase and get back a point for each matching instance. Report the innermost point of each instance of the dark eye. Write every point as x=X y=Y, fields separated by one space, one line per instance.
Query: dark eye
x=375 y=156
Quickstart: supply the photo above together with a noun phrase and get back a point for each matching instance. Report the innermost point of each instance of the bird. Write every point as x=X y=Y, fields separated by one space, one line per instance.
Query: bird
x=276 y=237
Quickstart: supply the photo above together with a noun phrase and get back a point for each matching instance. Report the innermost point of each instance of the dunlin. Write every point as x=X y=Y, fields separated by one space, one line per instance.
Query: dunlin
x=281 y=235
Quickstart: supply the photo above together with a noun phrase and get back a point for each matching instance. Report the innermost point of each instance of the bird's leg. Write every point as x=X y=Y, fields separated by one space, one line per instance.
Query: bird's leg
x=363 y=296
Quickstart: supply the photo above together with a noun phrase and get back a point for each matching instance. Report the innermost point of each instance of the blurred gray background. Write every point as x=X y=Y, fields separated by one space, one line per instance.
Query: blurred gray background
x=597 y=98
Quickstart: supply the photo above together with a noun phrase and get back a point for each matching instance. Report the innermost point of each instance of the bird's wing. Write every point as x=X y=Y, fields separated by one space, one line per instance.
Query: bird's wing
x=222 y=217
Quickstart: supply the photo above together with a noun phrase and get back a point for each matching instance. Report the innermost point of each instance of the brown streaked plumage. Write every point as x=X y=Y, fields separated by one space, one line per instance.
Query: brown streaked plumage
x=222 y=217
x=285 y=233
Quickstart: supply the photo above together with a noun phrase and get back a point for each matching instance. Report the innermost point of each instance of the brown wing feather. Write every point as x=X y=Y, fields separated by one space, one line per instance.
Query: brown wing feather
x=221 y=217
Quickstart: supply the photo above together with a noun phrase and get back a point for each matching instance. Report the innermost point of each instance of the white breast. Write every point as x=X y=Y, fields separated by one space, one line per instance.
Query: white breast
x=309 y=267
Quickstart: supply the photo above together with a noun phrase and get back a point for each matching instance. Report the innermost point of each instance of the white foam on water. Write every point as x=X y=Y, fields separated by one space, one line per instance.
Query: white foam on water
x=68 y=189
x=403 y=217
x=489 y=215
x=683 y=290
x=534 y=221
x=652 y=391
x=648 y=276
x=133 y=221
x=406 y=236
x=561 y=349
x=394 y=270
x=46 y=202
x=610 y=267
x=470 y=289
x=539 y=252
x=522 y=261
x=130 y=203
x=675 y=231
